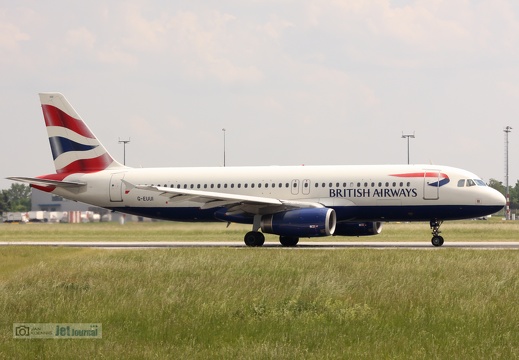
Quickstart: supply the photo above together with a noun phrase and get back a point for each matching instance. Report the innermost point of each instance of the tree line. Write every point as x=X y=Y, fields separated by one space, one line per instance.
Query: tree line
x=513 y=190
x=18 y=197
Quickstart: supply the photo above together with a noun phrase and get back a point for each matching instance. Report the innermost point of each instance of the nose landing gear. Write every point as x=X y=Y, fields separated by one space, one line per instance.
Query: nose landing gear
x=436 y=240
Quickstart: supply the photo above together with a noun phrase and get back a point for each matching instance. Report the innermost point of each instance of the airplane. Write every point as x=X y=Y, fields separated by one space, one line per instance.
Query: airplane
x=292 y=202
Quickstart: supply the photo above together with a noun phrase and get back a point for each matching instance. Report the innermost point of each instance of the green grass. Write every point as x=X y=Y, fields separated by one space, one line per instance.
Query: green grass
x=491 y=230
x=254 y=303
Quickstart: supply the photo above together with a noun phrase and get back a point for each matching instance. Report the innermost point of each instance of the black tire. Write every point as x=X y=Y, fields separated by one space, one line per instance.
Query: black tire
x=254 y=239
x=437 y=240
x=288 y=240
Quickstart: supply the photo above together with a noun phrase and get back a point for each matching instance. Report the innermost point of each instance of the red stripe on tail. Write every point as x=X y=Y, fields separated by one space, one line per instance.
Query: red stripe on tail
x=55 y=117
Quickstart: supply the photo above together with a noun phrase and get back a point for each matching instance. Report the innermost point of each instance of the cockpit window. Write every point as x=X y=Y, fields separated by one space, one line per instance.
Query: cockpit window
x=471 y=182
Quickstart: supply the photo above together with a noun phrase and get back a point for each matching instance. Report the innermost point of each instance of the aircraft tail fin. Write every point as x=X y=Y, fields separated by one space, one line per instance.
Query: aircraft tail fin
x=74 y=147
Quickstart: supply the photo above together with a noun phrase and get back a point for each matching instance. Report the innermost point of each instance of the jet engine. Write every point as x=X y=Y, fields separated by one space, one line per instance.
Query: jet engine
x=311 y=222
x=358 y=228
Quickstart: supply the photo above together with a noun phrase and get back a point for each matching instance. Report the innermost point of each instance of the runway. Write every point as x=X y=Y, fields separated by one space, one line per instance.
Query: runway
x=238 y=244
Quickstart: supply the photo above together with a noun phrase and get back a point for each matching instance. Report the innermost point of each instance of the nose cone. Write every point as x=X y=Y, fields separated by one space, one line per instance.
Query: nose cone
x=495 y=199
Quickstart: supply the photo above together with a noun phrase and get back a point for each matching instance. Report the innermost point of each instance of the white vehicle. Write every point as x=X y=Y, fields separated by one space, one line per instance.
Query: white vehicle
x=38 y=216
x=292 y=202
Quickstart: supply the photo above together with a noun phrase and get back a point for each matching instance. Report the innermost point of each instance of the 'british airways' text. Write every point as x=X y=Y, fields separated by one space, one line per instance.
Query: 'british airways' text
x=376 y=193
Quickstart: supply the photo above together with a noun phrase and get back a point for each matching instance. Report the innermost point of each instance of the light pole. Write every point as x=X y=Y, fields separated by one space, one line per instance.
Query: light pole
x=124 y=142
x=223 y=147
x=507 y=130
x=408 y=136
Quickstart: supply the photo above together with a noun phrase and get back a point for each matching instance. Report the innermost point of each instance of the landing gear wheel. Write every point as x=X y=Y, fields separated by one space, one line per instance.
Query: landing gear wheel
x=437 y=240
x=288 y=240
x=254 y=239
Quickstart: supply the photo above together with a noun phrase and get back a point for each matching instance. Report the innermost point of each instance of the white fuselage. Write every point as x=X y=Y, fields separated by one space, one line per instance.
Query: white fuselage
x=364 y=192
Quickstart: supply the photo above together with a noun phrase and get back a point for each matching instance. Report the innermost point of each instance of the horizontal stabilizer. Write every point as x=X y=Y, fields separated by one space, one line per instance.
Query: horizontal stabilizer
x=46 y=182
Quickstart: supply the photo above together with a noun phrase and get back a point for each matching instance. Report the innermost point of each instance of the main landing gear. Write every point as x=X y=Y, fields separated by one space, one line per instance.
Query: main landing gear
x=436 y=240
x=256 y=238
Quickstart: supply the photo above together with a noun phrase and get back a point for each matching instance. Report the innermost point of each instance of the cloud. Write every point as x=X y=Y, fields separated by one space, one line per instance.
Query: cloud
x=11 y=36
x=203 y=44
x=416 y=33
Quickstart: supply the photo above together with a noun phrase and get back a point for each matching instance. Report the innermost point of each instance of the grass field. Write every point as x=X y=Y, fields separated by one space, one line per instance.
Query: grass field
x=254 y=303
x=472 y=230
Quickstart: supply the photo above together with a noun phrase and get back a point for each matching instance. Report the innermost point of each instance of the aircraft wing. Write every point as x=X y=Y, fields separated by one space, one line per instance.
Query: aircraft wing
x=47 y=182
x=211 y=199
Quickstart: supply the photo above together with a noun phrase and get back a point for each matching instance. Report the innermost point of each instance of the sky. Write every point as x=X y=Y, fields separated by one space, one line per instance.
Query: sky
x=292 y=82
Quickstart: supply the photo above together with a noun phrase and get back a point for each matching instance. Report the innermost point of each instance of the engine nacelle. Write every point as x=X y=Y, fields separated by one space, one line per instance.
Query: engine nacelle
x=300 y=222
x=358 y=228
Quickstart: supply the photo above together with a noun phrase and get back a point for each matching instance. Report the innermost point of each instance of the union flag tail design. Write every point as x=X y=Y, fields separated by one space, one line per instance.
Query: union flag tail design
x=74 y=147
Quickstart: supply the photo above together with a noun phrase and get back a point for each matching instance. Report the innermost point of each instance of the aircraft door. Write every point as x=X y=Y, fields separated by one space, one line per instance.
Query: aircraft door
x=431 y=185
x=116 y=187
x=306 y=187
x=295 y=187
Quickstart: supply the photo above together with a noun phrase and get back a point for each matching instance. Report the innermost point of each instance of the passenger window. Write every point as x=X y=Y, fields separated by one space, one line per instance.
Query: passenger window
x=461 y=183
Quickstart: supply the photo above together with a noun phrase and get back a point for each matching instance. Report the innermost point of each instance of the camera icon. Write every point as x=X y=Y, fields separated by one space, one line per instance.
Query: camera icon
x=22 y=330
